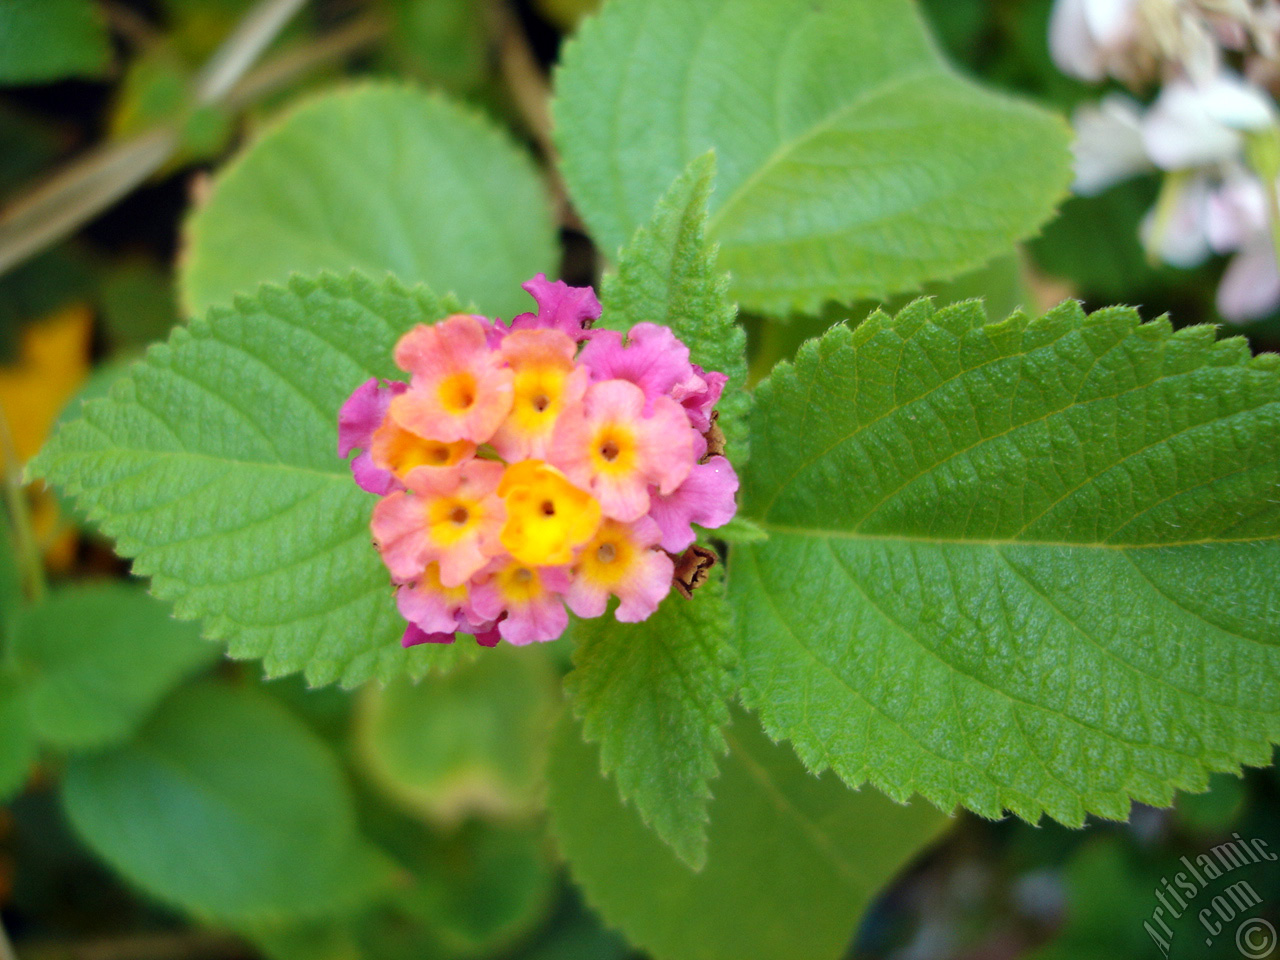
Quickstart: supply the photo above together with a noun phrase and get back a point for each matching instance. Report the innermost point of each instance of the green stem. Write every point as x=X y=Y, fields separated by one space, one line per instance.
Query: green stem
x=1166 y=205
x=25 y=544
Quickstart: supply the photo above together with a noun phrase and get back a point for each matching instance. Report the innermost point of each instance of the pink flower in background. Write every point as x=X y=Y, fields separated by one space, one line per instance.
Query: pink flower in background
x=533 y=466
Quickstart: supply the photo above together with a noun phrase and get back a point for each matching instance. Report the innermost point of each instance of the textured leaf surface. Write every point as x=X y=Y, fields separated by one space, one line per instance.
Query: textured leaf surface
x=226 y=806
x=653 y=695
x=471 y=742
x=1029 y=565
x=667 y=274
x=791 y=864
x=380 y=179
x=214 y=464
x=43 y=40
x=96 y=660
x=852 y=161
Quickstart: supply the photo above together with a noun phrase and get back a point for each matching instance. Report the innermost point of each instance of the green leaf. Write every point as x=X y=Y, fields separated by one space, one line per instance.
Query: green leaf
x=214 y=464
x=43 y=40
x=853 y=162
x=381 y=179
x=1212 y=813
x=17 y=740
x=228 y=807
x=445 y=41
x=471 y=742
x=482 y=888
x=138 y=305
x=95 y=661
x=792 y=861
x=653 y=695
x=1028 y=565
x=740 y=530
x=667 y=274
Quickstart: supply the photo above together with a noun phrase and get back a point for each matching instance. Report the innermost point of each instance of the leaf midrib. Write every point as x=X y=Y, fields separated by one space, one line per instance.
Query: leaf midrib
x=821 y=842
x=786 y=148
x=995 y=542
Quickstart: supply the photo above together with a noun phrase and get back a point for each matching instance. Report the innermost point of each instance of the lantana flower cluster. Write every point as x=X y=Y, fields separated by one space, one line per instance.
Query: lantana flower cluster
x=1198 y=131
x=530 y=466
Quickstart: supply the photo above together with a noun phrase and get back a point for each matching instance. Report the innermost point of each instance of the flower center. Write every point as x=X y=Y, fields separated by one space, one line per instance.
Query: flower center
x=459 y=516
x=547 y=516
x=606 y=553
x=609 y=450
x=458 y=393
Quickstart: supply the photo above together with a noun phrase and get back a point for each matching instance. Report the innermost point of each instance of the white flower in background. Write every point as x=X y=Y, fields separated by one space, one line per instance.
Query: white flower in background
x=1177 y=229
x=1109 y=146
x=1236 y=221
x=1136 y=40
x=1250 y=288
x=1191 y=125
x=1089 y=39
x=1197 y=130
x=1207 y=215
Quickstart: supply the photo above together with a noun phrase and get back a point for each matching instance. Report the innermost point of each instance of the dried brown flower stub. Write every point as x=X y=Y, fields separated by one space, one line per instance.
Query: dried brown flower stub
x=693 y=568
x=714 y=437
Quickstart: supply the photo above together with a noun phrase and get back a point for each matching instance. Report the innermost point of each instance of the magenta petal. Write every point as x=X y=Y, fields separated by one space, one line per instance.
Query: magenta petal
x=364 y=412
x=653 y=359
x=706 y=498
x=560 y=307
x=488 y=638
x=413 y=636
x=373 y=479
x=699 y=402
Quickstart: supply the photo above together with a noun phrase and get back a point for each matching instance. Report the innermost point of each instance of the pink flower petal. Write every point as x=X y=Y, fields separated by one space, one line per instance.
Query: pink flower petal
x=639 y=575
x=359 y=417
x=560 y=307
x=373 y=479
x=488 y=638
x=542 y=620
x=668 y=445
x=662 y=451
x=698 y=403
x=400 y=533
x=652 y=358
x=646 y=588
x=706 y=498
x=429 y=609
x=459 y=389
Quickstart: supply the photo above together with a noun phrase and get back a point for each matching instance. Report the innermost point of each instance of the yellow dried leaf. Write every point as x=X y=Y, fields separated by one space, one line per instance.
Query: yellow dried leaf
x=53 y=363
